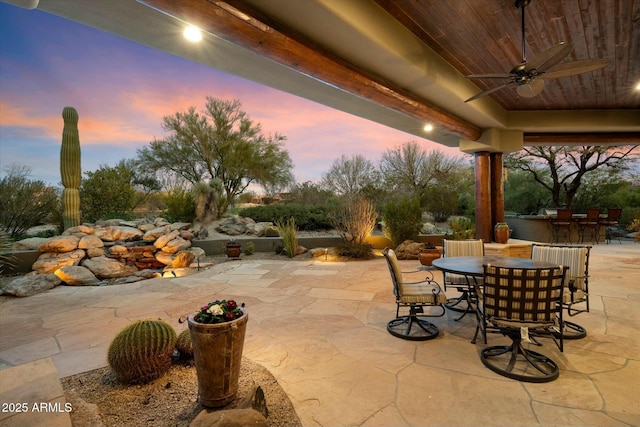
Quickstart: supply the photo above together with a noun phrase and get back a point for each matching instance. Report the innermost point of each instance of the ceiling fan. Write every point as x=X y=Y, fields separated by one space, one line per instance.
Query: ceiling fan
x=529 y=76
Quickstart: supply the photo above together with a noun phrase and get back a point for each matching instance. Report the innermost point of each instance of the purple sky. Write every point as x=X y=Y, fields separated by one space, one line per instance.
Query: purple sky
x=122 y=90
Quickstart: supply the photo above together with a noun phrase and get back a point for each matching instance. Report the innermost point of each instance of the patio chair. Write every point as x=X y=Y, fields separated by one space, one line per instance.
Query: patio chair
x=590 y=224
x=575 y=297
x=515 y=302
x=561 y=224
x=611 y=222
x=454 y=248
x=414 y=296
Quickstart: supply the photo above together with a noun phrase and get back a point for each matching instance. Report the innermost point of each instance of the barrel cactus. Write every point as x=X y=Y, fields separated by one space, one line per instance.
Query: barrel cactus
x=70 y=168
x=142 y=351
x=184 y=345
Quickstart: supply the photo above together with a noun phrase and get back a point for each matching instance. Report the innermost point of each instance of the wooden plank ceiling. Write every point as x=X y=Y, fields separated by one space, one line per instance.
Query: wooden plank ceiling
x=484 y=36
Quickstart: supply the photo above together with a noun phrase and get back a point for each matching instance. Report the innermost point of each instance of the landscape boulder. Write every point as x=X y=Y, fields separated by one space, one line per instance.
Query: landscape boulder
x=409 y=250
x=90 y=241
x=176 y=245
x=183 y=259
x=108 y=233
x=129 y=233
x=230 y=418
x=165 y=238
x=59 y=244
x=153 y=234
x=75 y=275
x=78 y=230
x=235 y=225
x=28 y=244
x=108 y=268
x=49 y=262
x=30 y=284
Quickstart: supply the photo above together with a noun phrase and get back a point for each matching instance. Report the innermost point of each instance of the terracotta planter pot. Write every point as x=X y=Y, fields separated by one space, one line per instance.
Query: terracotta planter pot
x=217 y=352
x=234 y=250
x=426 y=256
x=501 y=232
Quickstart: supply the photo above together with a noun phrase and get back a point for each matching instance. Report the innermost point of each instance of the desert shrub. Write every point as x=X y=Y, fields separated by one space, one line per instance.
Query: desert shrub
x=181 y=205
x=107 y=193
x=355 y=218
x=289 y=236
x=355 y=250
x=461 y=228
x=25 y=203
x=142 y=351
x=7 y=259
x=402 y=220
x=249 y=248
x=628 y=215
x=307 y=218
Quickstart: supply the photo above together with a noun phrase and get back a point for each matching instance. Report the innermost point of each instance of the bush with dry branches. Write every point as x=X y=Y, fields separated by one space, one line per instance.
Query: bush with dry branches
x=355 y=218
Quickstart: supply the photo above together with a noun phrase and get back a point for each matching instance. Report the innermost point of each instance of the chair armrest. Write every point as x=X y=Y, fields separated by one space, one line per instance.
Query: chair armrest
x=429 y=277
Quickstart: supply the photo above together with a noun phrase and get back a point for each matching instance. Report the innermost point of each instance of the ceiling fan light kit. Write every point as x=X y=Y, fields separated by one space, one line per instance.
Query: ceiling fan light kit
x=529 y=76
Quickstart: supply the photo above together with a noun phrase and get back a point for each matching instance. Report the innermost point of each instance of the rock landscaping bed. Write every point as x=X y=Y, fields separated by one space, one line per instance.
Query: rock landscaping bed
x=98 y=400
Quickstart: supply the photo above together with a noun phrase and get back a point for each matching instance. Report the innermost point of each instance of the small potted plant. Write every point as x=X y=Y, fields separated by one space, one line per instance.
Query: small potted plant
x=428 y=254
x=234 y=249
x=501 y=232
x=217 y=334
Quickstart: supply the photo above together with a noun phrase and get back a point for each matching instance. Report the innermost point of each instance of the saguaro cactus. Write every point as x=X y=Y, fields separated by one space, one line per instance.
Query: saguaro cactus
x=70 y=168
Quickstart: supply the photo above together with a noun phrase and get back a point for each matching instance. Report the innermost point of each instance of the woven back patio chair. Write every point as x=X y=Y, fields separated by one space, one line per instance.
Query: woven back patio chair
x=516 y=302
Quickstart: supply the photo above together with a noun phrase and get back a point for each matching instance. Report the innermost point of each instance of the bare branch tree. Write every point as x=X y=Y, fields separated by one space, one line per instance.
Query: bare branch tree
x=565 y=167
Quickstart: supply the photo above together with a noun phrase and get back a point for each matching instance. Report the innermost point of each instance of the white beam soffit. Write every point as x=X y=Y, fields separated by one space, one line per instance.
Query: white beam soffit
x=388 y=59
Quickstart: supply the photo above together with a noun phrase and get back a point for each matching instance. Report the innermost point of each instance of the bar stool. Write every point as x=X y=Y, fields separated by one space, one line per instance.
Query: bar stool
x=561 y=224
x=610 y=222
x=590 y=224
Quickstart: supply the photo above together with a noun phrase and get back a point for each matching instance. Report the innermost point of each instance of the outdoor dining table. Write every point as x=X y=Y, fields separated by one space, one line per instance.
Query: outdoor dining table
x=472 y=267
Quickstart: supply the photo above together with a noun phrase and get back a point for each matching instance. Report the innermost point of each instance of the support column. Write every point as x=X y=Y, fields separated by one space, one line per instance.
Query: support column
x=497 y=189
x=483 y=196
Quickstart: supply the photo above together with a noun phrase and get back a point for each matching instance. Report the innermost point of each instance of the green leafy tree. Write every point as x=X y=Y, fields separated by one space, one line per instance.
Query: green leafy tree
x=108 y=193
x=25 y=203
x=402 y=219
x=561 y=170
x=144 y=182
x=180 y=205
x=522 y=195
x=350 y=175
x=223 y=143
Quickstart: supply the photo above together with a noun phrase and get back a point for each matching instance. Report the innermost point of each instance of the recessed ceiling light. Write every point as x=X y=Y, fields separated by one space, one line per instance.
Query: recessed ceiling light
x=428 y=127
x=638 y=86
x=193 y=34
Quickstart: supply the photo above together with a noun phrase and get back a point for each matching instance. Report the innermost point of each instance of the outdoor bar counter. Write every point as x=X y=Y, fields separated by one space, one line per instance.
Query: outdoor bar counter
x=537 y=228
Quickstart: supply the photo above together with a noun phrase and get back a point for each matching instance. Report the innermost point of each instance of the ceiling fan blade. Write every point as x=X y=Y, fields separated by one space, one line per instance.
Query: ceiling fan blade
x=574 y=67
x=549 y=57
x=488 y=91
x=531 y=89
x=490 y=76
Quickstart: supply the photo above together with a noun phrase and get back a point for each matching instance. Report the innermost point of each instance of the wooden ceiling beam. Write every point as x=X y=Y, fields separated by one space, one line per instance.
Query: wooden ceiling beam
x=609 y=138
x=245 y=28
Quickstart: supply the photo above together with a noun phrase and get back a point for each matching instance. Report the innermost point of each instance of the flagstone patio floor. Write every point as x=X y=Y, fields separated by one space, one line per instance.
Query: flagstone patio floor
x=320 y=329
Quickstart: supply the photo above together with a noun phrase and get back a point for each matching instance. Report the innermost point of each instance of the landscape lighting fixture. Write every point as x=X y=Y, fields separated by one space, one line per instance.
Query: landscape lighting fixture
x=193 y=34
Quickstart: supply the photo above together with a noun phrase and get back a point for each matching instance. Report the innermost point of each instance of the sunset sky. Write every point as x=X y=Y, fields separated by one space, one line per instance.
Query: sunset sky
x=122 y=90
